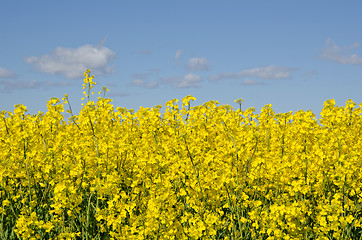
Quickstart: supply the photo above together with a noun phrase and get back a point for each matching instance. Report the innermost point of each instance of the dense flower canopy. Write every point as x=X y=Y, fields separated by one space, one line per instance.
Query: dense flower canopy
x=202 y=172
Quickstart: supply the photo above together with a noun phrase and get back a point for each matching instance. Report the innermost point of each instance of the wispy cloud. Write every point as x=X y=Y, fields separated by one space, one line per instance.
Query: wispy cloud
x=143 y=83
x=72 y=62
x=9 y=86
x=338 y=54
x=197 y=64
x=223 y=75
x=4 y=73
x=178 y=54
x=310 y=73
x=146 y=52
x=118 y=94
x=188 y=81
x=139 y=80
x=270 y=72
x=251 y=82
x=154 y=70
x=142 y=76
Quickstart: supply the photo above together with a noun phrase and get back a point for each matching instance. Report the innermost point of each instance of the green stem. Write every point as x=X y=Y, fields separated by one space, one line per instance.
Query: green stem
x=6 y=126
x=94 y=136
x=237 y=158
x=71 y=113
x=197 y=175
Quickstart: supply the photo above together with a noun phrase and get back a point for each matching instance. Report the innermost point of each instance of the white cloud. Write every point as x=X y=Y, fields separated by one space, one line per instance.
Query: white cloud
x=31 y=84
x=190 y=80
x=224 y=75
x=187 y=81
x=178 y=54
x=143 y=83
x=338 y=54
x=4 y=73
x=139 y=80
x=72 y=62
x=197 y=64
x=270 y=72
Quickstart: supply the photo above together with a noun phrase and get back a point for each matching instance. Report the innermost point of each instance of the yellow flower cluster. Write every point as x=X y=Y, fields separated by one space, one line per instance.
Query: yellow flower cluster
x=203 y=172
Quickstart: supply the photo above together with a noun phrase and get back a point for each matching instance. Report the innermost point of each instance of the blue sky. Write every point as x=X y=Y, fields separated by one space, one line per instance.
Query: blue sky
x=291 y=54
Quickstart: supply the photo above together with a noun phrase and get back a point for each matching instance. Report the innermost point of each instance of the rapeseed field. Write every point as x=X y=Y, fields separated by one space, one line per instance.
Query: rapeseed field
x=195 y=172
